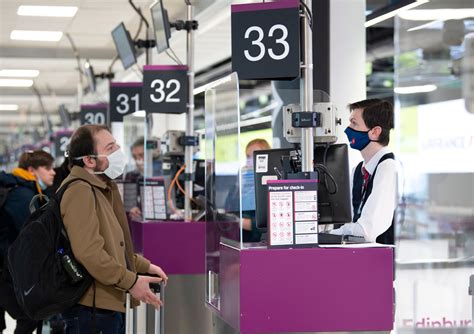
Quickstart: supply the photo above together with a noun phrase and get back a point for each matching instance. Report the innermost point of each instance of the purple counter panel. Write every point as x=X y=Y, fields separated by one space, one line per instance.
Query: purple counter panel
x=307 y=290
x=177 y=247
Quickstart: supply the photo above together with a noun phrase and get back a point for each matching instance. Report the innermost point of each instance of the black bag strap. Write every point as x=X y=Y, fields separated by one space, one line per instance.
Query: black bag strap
x=36 y=201
x=62 y=189
x=59 y=195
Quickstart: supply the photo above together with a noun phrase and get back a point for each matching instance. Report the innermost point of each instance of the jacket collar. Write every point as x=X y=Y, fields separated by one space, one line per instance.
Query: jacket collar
x=27 y=176
x=79 y=172
x=374 y=161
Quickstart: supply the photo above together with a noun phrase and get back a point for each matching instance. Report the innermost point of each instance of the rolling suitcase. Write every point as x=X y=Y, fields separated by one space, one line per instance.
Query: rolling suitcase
x=130 y=315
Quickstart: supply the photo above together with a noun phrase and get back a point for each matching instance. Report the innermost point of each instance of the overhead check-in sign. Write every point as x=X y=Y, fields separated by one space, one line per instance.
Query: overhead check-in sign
x=61 y=142
x=165 y=89
x=125 y=98
x=266 y=40
x=93 y=113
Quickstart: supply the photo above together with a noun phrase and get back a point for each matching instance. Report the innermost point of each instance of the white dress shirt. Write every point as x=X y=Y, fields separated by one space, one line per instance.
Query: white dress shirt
x=377 y=213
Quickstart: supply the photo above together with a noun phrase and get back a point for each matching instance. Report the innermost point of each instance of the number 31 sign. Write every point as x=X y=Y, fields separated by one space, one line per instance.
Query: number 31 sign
x=165 y=89
x=124 y=99
x=266 y=40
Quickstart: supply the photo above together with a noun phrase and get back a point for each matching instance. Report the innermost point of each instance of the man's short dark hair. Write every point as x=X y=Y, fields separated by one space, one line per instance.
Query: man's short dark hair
x=137 y=143
x=376 y=112
x=35 y=159
x=83 y=143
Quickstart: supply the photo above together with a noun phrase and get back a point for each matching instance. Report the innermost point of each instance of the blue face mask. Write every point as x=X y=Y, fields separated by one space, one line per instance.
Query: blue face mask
x=357 y=139
x=42 y=185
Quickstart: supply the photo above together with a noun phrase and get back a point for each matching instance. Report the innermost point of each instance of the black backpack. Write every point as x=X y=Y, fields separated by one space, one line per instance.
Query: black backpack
x=4 y=190
x=46 y=278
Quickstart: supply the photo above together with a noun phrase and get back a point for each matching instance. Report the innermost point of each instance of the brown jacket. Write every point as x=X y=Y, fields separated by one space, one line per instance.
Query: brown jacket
x=100 y=239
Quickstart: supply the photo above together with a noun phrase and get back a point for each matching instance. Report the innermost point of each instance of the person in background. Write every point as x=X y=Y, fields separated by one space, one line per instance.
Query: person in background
x=33 y=175
x=138 y=153
x=374 y=188
x=61 y=173
x=97 y=227
x=250 y=232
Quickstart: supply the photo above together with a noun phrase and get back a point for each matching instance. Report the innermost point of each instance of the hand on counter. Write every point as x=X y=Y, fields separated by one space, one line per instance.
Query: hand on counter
x=135 y=213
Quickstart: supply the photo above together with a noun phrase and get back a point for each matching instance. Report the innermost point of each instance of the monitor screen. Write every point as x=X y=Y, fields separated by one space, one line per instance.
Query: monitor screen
x=161 y=26
x=124 y=46
x=64 y=116
x=333 y=207
x=90 y=75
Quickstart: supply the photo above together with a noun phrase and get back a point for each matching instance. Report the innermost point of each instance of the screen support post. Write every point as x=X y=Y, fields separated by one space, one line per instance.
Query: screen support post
x=306 y=89
x=188 y=150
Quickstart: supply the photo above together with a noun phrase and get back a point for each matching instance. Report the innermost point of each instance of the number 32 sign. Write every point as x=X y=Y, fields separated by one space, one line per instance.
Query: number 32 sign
x=266 y=40
x=165 y=89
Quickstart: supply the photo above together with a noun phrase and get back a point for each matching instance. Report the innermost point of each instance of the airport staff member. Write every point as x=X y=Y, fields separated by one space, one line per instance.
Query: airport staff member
x=98 y=230
x=138 y=153
x=374 y=187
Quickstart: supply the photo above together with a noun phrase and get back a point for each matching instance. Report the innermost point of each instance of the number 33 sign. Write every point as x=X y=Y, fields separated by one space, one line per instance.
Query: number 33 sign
x=266 y=40
x=165 y=89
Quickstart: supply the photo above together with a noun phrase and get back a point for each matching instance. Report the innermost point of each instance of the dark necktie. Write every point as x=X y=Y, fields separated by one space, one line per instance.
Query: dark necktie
x=366 y=180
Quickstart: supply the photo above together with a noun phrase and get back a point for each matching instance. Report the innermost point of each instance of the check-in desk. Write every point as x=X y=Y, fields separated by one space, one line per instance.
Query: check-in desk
x=178 y=248
x=264 y=290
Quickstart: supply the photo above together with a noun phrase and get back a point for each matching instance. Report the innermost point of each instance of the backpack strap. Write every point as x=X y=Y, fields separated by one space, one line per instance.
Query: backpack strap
x=36 y=201
x=62 y=189
x=59 y=195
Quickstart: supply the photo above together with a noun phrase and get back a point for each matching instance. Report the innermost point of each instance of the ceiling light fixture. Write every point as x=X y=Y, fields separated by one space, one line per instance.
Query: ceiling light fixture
x=19 y=73
x=390 y=11
x=36 y=35
x=16 y=83
x=415 y=89
x=9 y=107
x=51 y=11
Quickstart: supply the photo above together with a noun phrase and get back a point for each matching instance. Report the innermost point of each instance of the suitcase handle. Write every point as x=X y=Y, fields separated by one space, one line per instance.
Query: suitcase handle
x=155 y=287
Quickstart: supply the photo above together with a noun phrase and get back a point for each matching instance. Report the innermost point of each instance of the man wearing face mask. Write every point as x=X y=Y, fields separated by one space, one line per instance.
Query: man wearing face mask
x=374 y=187
x=33 y=175
x=97 y=227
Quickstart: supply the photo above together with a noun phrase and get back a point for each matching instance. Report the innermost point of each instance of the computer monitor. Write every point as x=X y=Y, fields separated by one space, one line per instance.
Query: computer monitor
x=334 y=207
x=64 y=116
x=124 y=46
x=90 y=75
x=161 y=26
